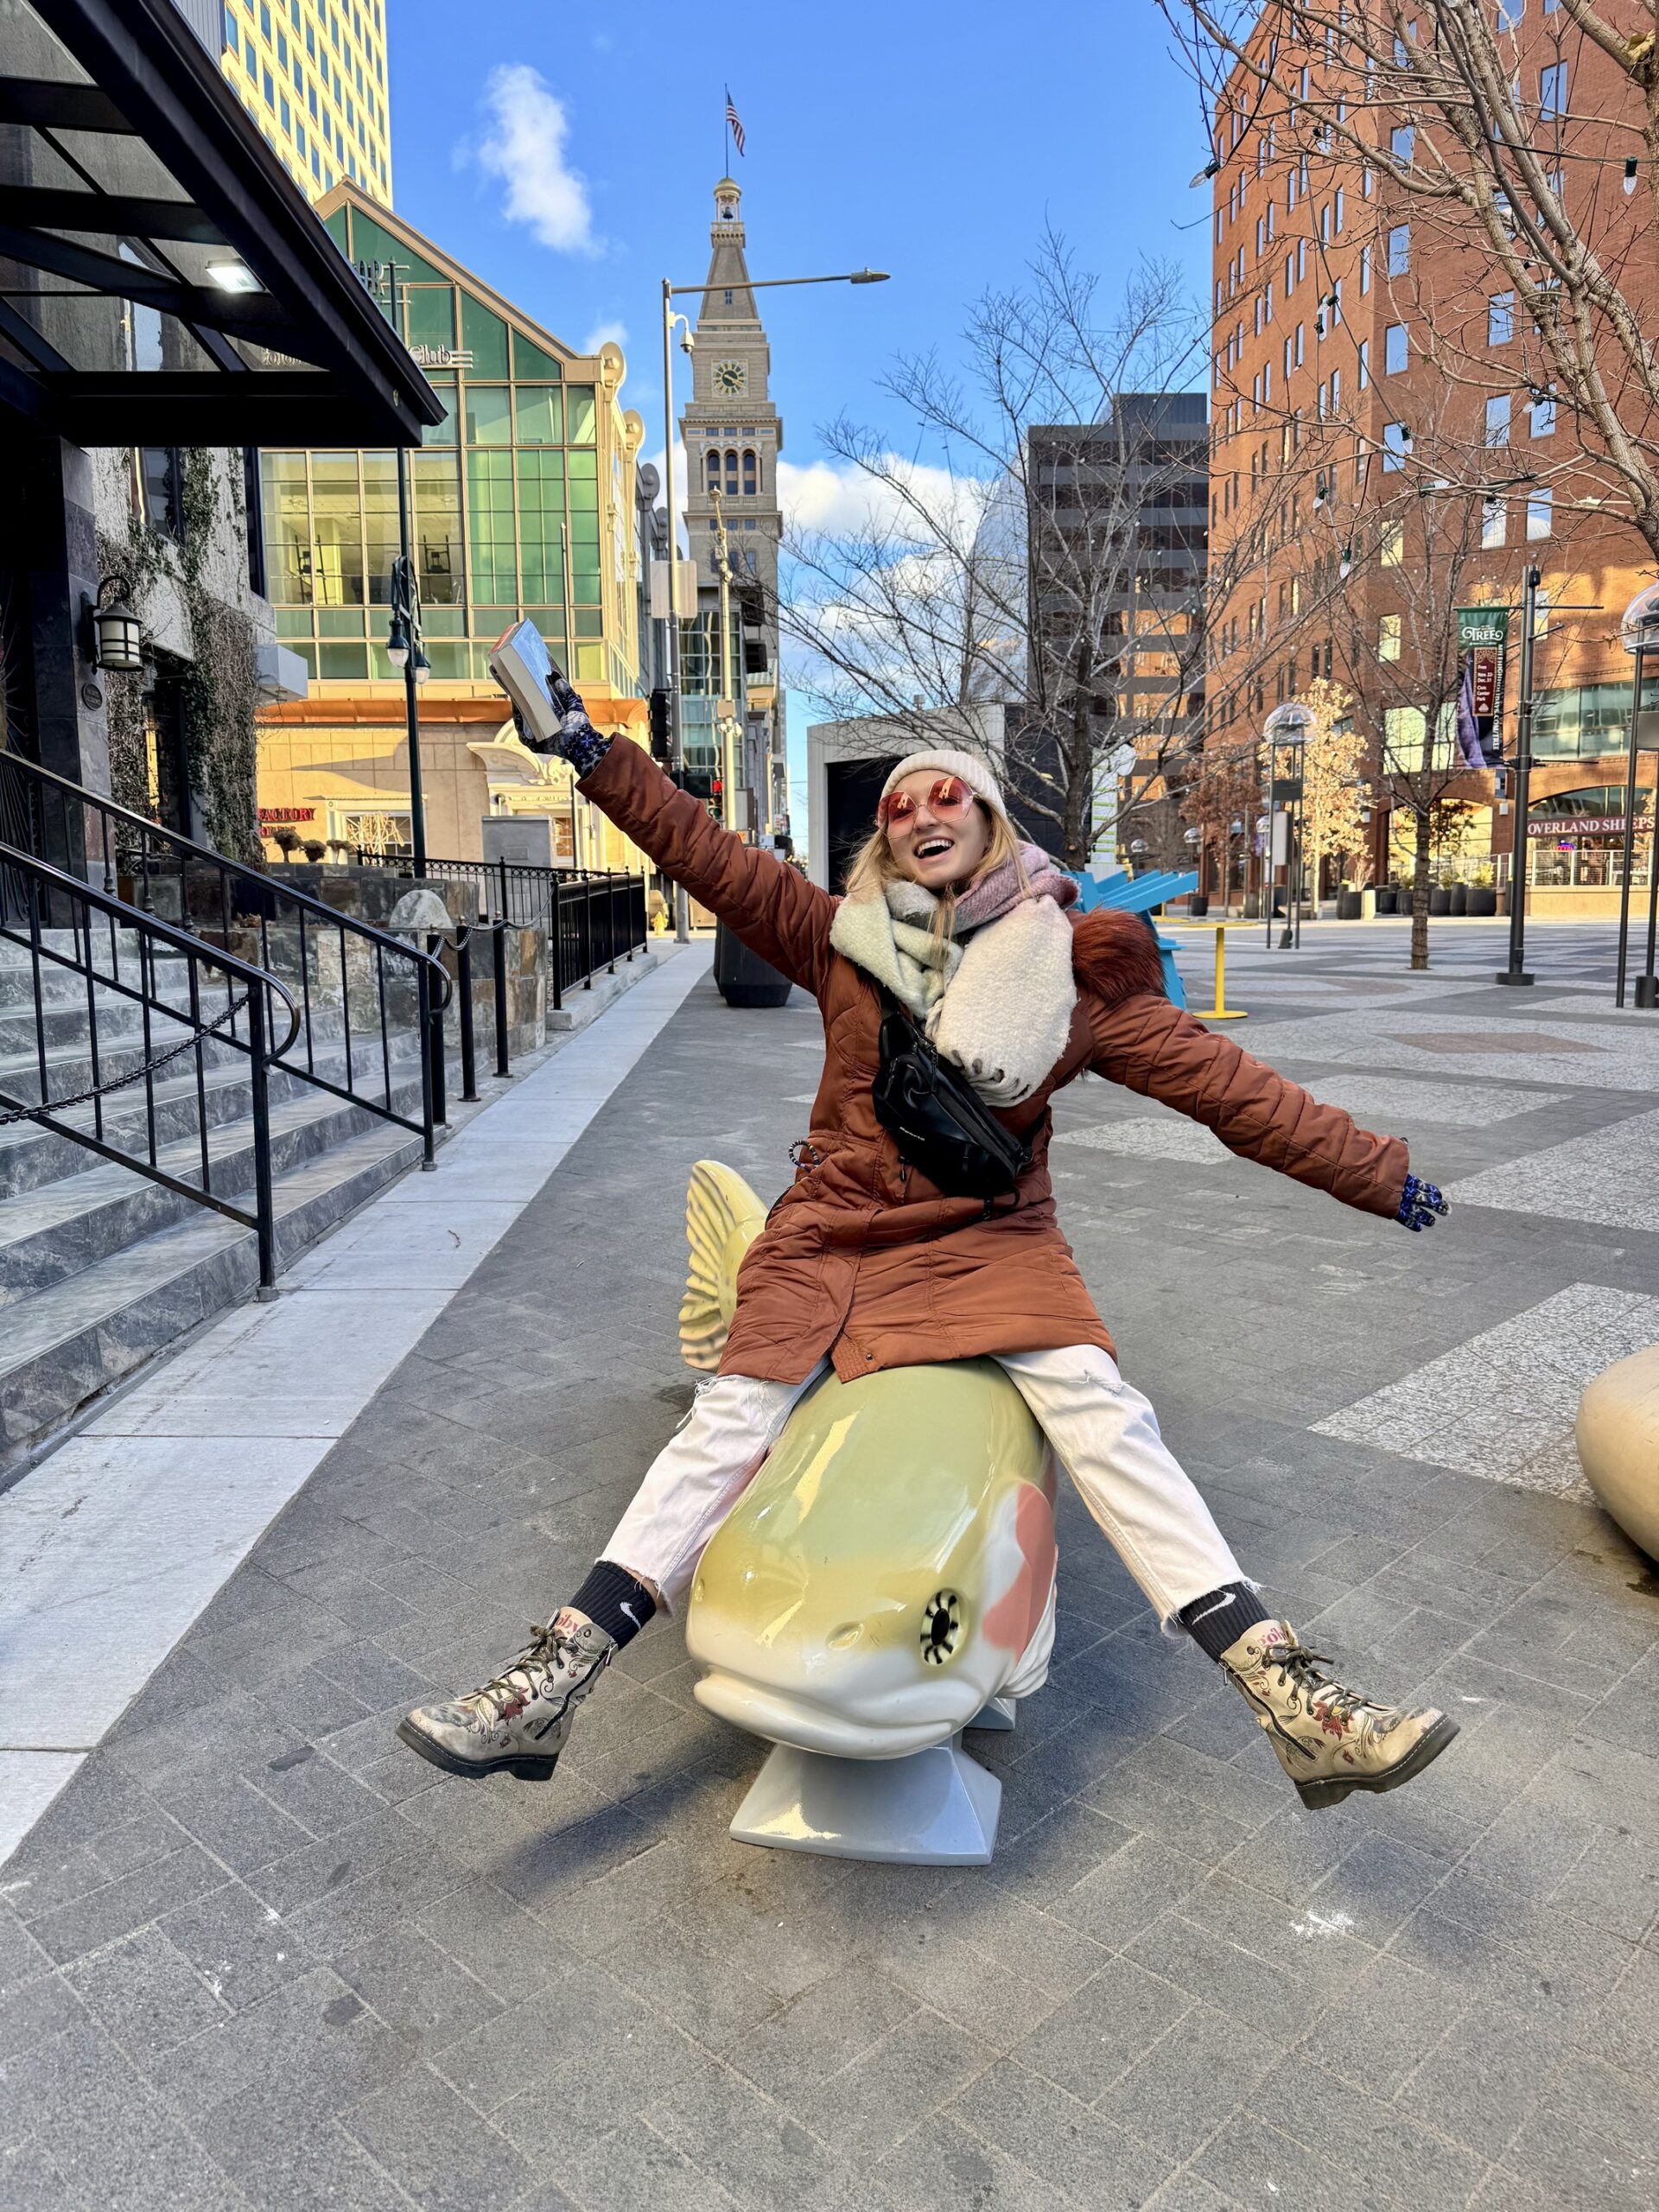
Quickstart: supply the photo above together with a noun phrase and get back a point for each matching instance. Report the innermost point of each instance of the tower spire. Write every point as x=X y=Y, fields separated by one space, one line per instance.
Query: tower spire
x=728 y=303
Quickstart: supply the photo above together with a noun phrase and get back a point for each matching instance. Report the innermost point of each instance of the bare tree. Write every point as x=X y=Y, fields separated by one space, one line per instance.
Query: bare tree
x=1538 y=183
x=1047 y=582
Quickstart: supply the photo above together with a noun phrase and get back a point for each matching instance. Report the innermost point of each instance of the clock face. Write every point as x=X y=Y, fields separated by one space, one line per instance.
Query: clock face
x=730 y=377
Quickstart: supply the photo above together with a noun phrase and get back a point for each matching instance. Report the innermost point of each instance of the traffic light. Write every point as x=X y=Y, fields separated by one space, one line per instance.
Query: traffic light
x=662 y=743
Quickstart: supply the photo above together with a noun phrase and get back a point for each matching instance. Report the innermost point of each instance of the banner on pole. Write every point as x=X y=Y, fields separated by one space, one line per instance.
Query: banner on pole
x=1482 y=626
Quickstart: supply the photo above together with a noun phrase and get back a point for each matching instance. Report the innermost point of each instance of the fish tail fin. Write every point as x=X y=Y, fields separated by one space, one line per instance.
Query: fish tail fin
x=723 y=1216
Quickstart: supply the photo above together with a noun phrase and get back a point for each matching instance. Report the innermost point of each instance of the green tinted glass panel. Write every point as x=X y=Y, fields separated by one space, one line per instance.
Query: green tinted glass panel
x=449 y=659
x=583 y=468
x=430 y=311
x=341 y=663
x=371 y=243
x=441 y=434
x=589 y=625
x=380 y=667
x=288 y=528
x=489 y=418
x=435 y=489
x=541 y=525
x=489 y=518
x=580 y=398
x=584 y=583
x=337 y=525
x=308 y=653
x=335 y=226
x=339 y=622
x=531 y=363
x=443 y=621
x=549 y=620
x=541 y=417
x=485 y=335
x=293 y=622
x=380 y=528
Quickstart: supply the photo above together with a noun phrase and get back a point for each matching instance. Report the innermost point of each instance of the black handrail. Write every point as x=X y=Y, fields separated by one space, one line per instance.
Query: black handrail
x=37 y=900
x=219 y=900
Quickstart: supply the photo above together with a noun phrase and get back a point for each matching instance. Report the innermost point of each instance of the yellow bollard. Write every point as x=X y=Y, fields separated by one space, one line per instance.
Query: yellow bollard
x=1221 y=1011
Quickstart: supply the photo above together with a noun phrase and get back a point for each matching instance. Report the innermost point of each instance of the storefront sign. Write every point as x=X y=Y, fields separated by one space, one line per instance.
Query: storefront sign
x=1477 y=625
x=442 y=357
x=1585 y=825
x=270 y=816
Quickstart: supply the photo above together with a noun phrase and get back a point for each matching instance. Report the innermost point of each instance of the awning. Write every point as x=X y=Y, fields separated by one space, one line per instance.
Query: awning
x=161 y=280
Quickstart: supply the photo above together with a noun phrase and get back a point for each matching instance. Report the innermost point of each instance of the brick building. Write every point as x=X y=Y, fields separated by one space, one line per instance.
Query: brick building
x=1388 y=444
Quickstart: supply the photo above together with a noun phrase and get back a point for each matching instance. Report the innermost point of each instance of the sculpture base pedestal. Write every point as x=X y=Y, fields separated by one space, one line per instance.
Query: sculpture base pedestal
x=937 y=1807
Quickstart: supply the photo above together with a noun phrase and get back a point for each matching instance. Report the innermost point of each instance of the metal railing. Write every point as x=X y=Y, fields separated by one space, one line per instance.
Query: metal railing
x=591 y=917
x=142 y=1087
x=370 y=1004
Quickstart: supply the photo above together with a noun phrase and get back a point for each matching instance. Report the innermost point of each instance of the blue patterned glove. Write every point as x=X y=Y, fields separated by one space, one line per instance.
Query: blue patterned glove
x=578 y=741
x=1420 y=1203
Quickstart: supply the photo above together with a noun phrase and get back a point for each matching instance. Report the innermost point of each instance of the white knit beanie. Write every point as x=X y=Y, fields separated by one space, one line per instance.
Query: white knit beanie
x=946 y=761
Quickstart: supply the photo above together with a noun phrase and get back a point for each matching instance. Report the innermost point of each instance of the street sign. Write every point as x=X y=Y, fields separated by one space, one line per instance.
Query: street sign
x=1482 y=626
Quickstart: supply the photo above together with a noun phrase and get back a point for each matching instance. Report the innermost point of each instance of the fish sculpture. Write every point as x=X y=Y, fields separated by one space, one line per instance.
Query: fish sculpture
x=888 y=1574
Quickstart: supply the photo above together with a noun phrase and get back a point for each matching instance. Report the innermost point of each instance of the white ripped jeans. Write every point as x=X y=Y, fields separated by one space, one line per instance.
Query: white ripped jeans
x=1104 y=1432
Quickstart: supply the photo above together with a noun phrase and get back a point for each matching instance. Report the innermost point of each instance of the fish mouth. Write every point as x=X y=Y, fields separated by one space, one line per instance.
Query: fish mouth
x=784 y=1718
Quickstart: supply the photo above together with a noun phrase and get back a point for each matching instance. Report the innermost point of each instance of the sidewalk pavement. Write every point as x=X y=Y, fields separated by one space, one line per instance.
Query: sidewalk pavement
x=256 y=1955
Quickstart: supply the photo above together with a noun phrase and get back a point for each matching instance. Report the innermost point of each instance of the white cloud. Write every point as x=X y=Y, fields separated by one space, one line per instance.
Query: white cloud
x=841 y=500
x=606 y=334
x=524 y=147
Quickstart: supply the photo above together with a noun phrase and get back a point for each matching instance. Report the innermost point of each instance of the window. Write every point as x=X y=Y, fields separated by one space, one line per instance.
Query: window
x=1400 y=250
x=1290 y=357
x=1552 y=92
x=1498 y=422
x=282 y=51
x=1301 y=260
x=1336 y=391
x=1510 y=13
x=1397 y=444
x=265 y=19
x=1364 y=268
x=1403 y=731
x=284 y=113
x=1500 y=319
x=1492 y=524
x=158 y=487
x=233 y=37
x=1300 y=329
x=1543 y=415
x=271 y=89
x=731 y=470
x=1336 y=211
x=1391 y=548
x=1267 y=304
x=714 y=469
x=1364 y=363
x=1396 y=346
x=1402 y=139
x=1541 y=509
x=748 y=475
x=1325 y=221
x=1387 y=638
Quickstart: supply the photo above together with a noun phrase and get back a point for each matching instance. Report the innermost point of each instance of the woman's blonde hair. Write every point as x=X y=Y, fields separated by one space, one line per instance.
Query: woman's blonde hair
x=877 y=866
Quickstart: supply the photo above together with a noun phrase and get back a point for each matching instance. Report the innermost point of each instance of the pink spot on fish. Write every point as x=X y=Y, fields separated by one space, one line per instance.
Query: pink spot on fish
x=1012 y=1621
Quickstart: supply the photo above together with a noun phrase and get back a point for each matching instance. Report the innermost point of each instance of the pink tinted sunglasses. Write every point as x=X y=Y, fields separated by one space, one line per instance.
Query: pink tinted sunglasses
x=948 y=796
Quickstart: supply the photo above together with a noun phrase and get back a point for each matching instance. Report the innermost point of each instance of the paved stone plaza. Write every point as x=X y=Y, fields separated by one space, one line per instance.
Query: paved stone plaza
x=256 y=1955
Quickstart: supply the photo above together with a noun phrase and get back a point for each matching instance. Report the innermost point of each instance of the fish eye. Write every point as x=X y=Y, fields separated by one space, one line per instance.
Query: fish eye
x=941 y=1627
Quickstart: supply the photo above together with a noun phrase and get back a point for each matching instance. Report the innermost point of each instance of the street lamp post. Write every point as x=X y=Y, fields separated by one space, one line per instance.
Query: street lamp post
x=1520 y=854
x=671 y=292
x=1288 y=726
x=1639 y=635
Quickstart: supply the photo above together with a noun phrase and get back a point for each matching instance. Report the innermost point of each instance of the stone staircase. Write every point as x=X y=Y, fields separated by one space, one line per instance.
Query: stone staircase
x=100 y=1268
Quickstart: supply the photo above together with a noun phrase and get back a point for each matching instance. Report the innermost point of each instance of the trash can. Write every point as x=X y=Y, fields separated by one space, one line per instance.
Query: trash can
x=742 y=977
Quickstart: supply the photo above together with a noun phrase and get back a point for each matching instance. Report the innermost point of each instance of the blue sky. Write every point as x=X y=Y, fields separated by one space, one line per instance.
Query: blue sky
x=572 y=167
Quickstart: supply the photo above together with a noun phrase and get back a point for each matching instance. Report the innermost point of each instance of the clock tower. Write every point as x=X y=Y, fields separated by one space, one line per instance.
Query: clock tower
x=732 y=435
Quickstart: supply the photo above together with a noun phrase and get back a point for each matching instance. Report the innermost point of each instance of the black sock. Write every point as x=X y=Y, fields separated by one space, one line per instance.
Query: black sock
x=1216 y=1622
x=612 y=1597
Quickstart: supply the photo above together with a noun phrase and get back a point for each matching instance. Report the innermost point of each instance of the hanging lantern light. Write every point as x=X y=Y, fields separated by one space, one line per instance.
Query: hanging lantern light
x=117 y=634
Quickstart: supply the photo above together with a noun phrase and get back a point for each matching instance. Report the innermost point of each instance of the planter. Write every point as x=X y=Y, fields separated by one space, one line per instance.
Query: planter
x=1483 y=899
x=1198 y=904
x=1252 y=905
x=1459 y=901
x=1388 y=898
x=1348 y=905
x=743 y=977
x=1439 y=900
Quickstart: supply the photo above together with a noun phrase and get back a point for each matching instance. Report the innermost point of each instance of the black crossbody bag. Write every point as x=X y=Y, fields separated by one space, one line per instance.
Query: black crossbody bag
x=939 y=1122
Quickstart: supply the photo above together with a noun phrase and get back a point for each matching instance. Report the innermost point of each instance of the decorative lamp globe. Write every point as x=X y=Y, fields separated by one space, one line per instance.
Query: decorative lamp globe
x=1289 y=724
x=1640 y=627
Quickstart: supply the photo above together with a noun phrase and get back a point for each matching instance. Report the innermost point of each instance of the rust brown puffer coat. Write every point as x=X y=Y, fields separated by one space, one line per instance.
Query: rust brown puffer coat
x=864 y=1260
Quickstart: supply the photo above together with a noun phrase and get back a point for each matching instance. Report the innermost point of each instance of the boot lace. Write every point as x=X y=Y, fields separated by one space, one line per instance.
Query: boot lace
x=1324 y=1691
x=515 y=1686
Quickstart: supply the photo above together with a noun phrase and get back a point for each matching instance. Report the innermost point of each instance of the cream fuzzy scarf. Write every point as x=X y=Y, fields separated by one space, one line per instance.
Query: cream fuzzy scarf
x=998 y=1007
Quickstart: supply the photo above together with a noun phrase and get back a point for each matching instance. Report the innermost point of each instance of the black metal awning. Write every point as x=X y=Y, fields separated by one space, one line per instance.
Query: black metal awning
x=161 y=280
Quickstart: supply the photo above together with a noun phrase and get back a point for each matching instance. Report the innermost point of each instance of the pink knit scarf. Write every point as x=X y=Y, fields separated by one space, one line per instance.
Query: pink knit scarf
x=997 y=893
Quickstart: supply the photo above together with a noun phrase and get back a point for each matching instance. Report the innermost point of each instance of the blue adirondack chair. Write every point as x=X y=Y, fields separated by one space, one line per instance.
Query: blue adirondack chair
x=1139 y=895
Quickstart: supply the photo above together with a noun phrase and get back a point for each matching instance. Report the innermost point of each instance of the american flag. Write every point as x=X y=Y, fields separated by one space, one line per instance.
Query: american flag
x=732 y=124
